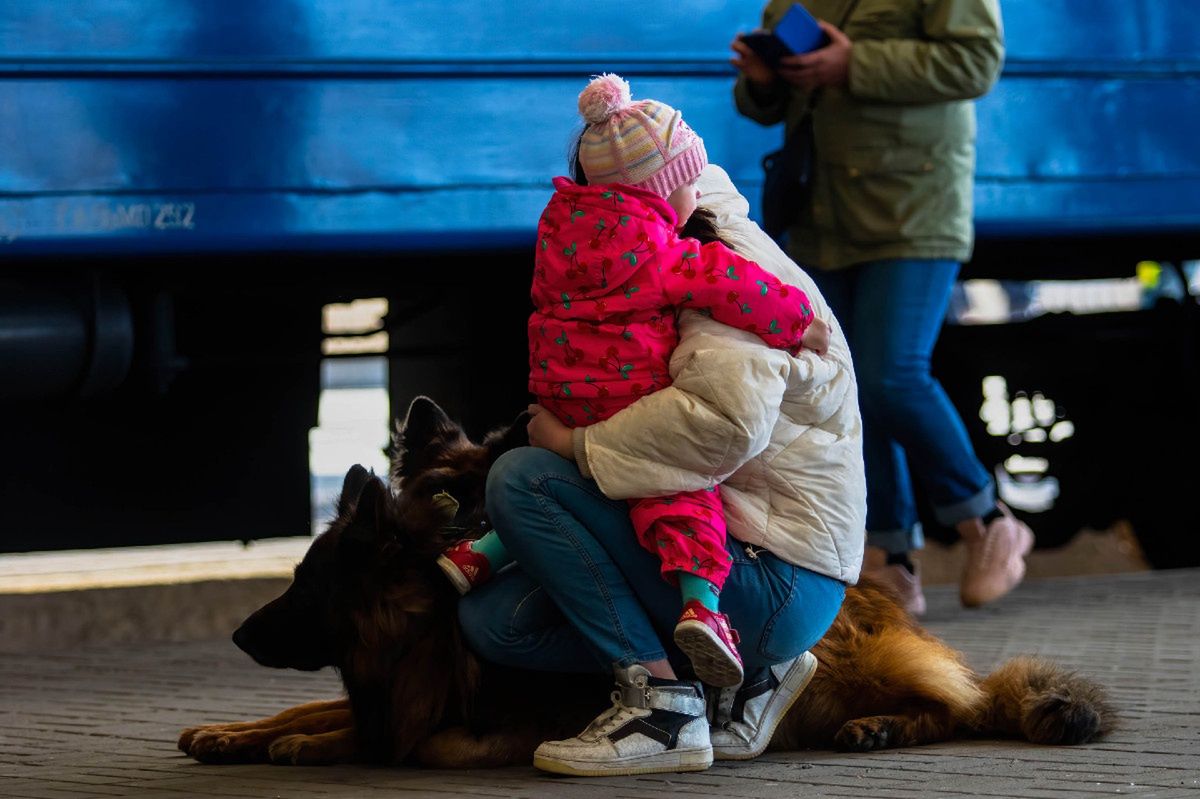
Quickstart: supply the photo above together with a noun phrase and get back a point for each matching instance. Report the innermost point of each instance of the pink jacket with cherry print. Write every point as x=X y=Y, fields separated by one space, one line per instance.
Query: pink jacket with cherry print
x=609 y=275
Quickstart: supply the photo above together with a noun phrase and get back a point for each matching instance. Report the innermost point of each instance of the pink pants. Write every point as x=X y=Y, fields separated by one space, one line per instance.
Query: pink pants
x=686 y=531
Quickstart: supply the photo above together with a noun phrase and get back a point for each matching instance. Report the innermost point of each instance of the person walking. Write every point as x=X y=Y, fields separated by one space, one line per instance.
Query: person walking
x=883 y=231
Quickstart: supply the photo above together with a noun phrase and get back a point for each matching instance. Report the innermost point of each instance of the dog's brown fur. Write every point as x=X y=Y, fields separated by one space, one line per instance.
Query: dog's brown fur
x=370 y=601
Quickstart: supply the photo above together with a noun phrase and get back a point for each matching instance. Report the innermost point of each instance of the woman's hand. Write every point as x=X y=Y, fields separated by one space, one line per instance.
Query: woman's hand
x=547 y=432
x=816 y=337
x=750 y=64
x=829 y=66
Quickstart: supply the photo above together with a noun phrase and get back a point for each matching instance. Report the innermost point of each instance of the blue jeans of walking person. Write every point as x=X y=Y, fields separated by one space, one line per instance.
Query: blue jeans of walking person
x=584 y=596
x=892 y=312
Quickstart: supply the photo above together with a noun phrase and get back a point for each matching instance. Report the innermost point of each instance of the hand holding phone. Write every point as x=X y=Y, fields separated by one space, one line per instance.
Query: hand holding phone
x=798 y=32
x=750 y=64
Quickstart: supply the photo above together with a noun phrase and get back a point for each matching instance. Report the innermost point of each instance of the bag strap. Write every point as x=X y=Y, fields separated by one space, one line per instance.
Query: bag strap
x=812 y=98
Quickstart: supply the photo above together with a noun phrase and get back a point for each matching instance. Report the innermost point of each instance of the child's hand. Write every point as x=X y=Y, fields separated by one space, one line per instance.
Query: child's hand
x=547 y=432
x=816 y=337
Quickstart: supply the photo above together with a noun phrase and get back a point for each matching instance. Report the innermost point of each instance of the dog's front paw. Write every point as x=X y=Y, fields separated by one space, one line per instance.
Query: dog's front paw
x=289 y=750
x=189 y=735
x=207 y=745
x=185 y=739
x=218 y=745
x=862 y=735
x=307 y=750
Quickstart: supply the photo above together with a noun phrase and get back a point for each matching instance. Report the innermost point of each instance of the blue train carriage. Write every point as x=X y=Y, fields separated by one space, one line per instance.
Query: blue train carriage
x=183 y=186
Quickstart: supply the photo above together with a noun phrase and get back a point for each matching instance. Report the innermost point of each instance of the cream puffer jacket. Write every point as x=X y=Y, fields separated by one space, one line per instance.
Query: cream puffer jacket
x=781 y=434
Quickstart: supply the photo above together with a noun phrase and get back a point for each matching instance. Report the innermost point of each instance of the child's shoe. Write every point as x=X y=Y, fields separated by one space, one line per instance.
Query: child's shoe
x=465 y=567
x=711 y=644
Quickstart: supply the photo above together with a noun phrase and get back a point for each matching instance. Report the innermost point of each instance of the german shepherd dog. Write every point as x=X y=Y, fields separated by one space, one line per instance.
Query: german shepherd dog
x=369 y=600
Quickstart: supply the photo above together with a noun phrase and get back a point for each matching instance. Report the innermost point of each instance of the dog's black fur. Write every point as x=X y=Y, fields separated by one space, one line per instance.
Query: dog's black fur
x=369 y=600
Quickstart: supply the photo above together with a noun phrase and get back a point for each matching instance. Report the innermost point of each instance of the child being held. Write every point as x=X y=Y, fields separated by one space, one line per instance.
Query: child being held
x=611 y=271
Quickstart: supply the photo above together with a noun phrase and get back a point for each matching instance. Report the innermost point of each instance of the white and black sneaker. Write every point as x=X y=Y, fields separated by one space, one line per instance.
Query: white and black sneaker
x=745 y=717
x=653 y=726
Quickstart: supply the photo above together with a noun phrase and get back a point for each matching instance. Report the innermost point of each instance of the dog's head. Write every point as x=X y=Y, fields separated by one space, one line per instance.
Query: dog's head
x=368 y=597
x=367 y=578
x=314 y=622
x=431 y=454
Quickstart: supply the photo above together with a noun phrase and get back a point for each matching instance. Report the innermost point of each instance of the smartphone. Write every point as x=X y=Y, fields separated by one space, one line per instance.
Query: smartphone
x=797 y=32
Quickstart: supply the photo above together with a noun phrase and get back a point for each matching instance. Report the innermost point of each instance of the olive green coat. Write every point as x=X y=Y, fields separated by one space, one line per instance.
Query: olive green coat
x=896 y=146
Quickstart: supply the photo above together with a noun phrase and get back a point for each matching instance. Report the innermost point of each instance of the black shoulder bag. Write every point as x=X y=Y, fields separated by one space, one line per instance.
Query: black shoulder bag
x=788 y=171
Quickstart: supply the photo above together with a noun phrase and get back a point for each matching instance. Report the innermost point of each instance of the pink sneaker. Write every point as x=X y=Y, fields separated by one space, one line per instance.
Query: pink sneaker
x=465 y=567
x=904 y=584
x=711 y=644
x=995 y=559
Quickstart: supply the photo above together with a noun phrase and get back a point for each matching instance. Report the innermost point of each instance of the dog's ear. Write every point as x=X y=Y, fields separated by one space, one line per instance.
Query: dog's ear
x=515 y=435
x=369 y=516
x=352 y=486
x=424 y=424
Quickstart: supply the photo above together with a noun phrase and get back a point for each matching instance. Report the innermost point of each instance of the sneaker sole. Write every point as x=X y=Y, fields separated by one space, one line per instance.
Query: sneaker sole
x=798 y=682
x=665 y=763
x=712 y=661
x=456 y=577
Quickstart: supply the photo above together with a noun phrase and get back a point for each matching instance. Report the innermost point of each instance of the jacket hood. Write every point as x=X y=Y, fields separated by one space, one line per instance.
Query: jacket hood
x=614 y=220
x=648 y=204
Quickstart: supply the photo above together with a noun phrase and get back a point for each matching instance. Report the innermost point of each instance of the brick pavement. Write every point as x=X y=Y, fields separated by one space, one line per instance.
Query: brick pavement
x=93 y=722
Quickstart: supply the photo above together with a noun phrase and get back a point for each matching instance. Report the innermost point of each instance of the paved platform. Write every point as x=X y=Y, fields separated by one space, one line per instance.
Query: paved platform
x=102 y=721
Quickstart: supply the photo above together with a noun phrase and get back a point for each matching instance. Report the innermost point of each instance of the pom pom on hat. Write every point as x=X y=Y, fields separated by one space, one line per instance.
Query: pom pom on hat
x=659 y=153
x=603 y=97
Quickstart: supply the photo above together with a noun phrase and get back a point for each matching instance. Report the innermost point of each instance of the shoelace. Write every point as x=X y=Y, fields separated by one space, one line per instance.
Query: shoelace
x=608 y=721
x=733 y=727
x=987 y=547
x=991 y=543
x=727 y=724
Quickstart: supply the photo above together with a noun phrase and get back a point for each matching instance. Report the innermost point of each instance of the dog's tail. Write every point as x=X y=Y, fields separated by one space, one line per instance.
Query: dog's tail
x=1033 y=698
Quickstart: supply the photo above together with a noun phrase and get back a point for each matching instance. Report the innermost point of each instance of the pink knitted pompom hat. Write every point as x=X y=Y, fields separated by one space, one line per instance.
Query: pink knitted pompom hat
x=645 y=144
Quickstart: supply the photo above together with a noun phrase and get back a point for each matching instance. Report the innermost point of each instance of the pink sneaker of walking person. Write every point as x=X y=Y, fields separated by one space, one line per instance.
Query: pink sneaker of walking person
x=905 y=585
x=711 y=644
x=995 y=559
x=465 y=567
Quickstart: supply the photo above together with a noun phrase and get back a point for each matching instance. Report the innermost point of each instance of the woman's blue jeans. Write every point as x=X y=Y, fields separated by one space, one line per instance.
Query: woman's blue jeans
x=584 y=596
x=892 y=312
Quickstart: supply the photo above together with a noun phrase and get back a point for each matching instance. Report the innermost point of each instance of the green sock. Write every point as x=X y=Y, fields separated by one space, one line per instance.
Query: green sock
x=693 y=586
x=492 y=548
